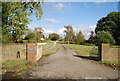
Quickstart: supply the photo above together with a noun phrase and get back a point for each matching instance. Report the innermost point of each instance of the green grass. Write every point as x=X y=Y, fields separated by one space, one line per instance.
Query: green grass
x=110 y=63
x=50 y=42
x=83 y=50
x=115 y=45
x=15 y=68
x=13 y=63
x=50 y=51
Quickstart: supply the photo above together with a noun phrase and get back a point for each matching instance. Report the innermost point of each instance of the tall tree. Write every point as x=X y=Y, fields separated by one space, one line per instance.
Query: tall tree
x=90 y=40
x=39 y=33
x=14 y=17
x=54 y=36
x=80 y=38
x=70 y=35
x=110 y=23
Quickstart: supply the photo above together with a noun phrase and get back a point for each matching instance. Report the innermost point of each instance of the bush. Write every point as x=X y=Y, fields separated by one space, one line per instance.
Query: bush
x=88 y=44
x=103 y=37
x=30 y=36
x=6 y=39
x=29 y=41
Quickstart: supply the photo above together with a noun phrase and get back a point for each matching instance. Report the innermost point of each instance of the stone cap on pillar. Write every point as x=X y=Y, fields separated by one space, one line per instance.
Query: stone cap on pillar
x=107 y=45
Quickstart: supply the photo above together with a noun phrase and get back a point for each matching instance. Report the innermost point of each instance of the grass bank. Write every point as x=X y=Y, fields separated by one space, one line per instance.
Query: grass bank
x=50 y=51
x=114 y=65
x=15 y=69
x=91 y=53
x=83 y=50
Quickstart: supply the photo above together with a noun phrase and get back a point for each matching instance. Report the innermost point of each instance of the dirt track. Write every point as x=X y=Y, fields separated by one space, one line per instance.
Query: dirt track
x=64 y=65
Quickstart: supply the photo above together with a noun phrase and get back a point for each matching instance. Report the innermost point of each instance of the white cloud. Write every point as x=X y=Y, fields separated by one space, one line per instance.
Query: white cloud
x=85 y=29
x=100 y=1
x=92 y=27
x=32 y=26
x=57 y=6
x=88 y=34
x=61 y=31
x=46 y=31
x=52 y=20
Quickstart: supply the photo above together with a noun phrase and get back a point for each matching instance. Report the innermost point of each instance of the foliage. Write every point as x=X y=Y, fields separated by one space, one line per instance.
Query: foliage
x=88 y=44
x=54 y=36
x=6 y=39
x=14 y=17
x=110 y=23
x=61 y=39
x=39 y=34
x=30 y=36
x=79 y=38
x=103 y=37
x=70 y=35
x=90 y=40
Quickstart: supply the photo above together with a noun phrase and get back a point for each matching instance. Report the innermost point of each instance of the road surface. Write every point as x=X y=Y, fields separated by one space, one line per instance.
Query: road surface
x=64 y=65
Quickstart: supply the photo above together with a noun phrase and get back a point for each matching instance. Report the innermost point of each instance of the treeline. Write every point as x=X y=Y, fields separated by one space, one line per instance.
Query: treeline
x=37 y=35
x=15 y=20
x=107 y=31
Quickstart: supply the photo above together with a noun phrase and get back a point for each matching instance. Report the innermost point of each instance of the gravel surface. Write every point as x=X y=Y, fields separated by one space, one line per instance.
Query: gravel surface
x=64 y=65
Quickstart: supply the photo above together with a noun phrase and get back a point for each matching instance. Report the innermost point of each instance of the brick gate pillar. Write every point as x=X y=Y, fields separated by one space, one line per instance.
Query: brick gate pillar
x=31 y=52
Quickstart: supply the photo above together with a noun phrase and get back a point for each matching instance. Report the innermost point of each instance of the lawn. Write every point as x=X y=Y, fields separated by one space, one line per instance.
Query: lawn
x=50 y=42
x=92 y=53
x=14 y=69
x=83 y=50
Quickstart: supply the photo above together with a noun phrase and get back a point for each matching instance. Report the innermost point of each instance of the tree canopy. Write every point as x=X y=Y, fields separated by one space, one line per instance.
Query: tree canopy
x=110 y=23
x=14 y=17
x=54 y=36
x=79 y=38
x=30 y=36
x=39 y=33
x=70 y=35
x=103 y=37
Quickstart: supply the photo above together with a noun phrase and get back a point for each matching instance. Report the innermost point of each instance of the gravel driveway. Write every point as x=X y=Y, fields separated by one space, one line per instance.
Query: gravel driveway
x=64 y=65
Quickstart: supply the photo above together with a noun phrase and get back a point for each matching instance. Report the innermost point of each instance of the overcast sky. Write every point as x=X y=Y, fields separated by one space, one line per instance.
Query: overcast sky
x=83 y=16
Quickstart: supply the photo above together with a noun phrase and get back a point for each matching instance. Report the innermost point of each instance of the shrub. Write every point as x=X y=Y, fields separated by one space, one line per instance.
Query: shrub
x=103 y=37
x=88 y=44
x=30 y=36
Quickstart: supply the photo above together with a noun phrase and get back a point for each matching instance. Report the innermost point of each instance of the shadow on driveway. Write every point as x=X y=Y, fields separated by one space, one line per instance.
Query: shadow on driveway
x=88 y=57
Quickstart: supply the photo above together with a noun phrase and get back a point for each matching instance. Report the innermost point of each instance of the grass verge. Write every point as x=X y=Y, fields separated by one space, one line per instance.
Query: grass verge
x=50 y=51
x=91 y=53
x=14 y=69
x=114 y=65
x=83 y=50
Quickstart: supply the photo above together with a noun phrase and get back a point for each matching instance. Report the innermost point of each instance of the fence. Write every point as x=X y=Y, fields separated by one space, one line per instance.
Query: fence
x=49 y=46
